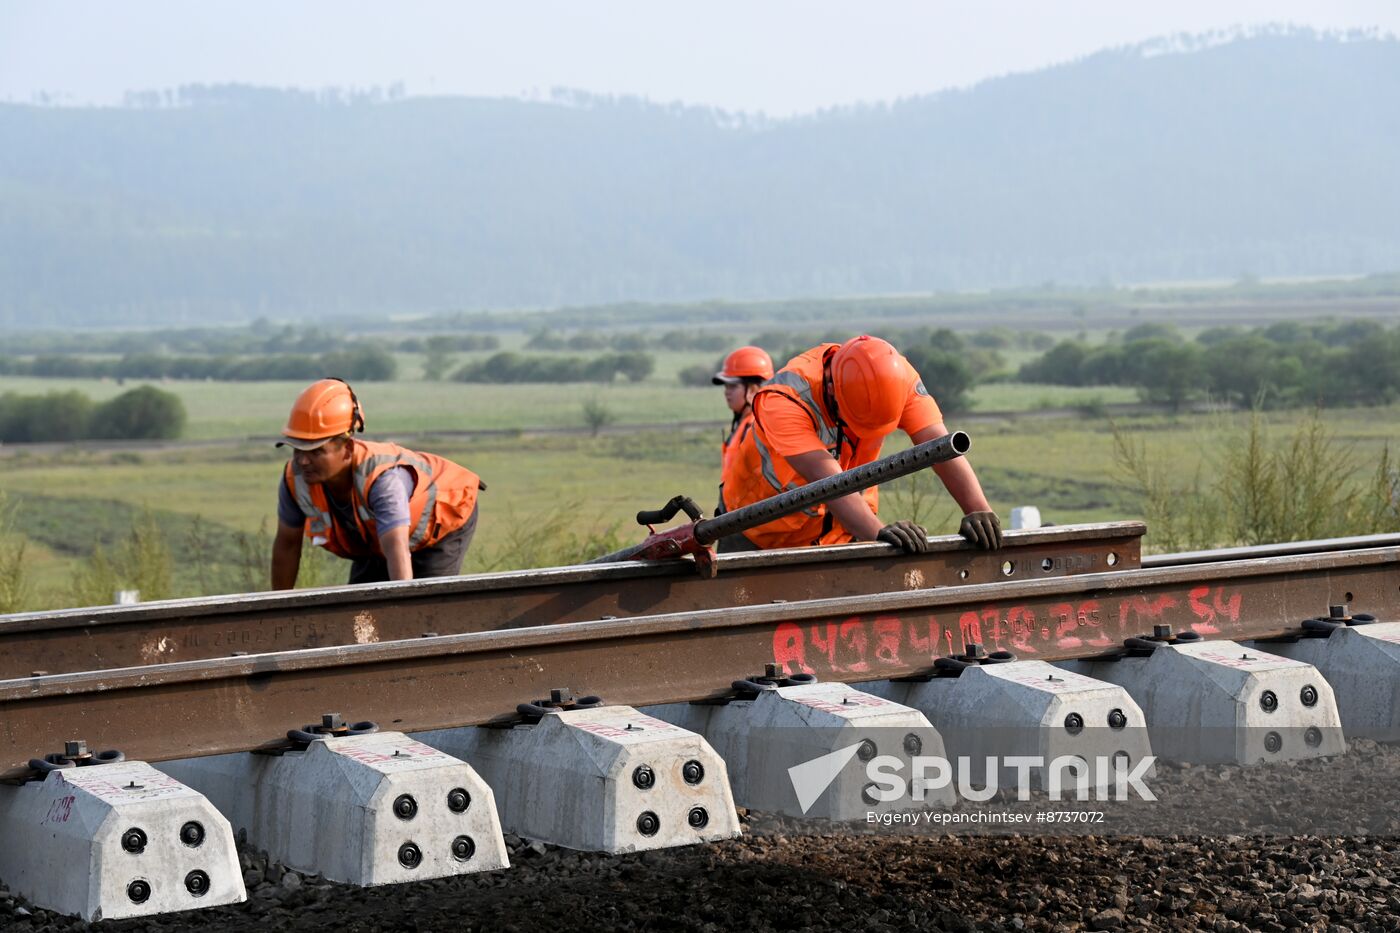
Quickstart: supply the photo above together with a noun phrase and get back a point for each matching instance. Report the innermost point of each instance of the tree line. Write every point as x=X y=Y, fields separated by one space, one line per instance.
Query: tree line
x=630 y=341
x=260 y=338
x=508 y=367
x=363 y=362
x=1282 y=365
x=950 y=364
x=143 y=413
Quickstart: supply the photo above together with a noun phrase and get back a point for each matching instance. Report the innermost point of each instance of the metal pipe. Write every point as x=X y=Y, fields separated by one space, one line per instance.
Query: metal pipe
x=844 y=484
x=694 y=537
x=938 y=450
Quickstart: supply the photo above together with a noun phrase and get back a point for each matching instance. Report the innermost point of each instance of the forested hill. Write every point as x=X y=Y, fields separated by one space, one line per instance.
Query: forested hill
x=1270 y=155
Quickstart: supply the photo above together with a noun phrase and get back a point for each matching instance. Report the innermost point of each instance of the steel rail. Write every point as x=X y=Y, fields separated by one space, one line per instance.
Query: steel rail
x=242 y=703
x=189 y=629
x=1281 y=549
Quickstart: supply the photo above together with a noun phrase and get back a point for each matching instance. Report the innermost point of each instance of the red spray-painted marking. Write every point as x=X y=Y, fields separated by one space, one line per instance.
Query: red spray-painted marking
x=1136 y=615
x=870 y=646
x=1210 y=613
x=857 y=646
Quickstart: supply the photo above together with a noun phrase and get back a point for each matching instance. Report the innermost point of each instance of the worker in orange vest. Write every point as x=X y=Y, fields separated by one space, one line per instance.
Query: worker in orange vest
x=396 y=514
x=743 y=372
x=829 y=410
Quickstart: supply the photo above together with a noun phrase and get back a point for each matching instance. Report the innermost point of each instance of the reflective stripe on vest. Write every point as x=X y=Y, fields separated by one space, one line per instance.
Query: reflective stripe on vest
x=826 y=432
x=766 y=473
x=771 y=475
x=828 y=435
x=320 y=521
x=366 y=468
x=443 y=497
x=420 y=531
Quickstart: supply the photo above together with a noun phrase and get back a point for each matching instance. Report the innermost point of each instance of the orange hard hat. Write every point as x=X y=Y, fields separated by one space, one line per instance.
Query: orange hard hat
x=871 y=383
x=325 y=409
x=745 y=363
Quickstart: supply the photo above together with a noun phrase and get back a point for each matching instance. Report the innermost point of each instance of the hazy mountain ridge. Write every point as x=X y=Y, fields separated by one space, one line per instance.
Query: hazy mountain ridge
x=1272 y=155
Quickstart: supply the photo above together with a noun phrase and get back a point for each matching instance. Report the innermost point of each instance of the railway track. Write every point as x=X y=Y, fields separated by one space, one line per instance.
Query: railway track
x=738 y=679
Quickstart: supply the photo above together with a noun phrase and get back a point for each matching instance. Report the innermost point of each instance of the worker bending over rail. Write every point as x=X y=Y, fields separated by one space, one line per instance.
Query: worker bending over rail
x=743 y=372
x=396 y=514
x=829 y=410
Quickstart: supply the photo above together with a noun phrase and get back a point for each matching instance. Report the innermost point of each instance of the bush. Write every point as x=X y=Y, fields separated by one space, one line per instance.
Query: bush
x=510 y=367
x=14 y=572
x=945 y=374
x=144 y=413
x=555 y=537
x=365 y=363
x=55 y=416
x=141 y=562
x=1283 y=365
x=438 y=358
x=699 y=376
x=1062 y=365
x=1252 y=488
x=633 y=366
x=597 y=415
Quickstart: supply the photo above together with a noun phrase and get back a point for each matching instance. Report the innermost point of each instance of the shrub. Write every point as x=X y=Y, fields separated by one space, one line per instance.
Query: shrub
x=945 y=374
x=14 y=572
x=698 y=376
x=365 y=363
x=141 y=562
x=596 y=414
x=510 y=367
x=55 y=416
x=144 y=413
x=1259 y=489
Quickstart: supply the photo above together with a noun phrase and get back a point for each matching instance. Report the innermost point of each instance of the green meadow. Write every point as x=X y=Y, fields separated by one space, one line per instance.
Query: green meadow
x=560 y=497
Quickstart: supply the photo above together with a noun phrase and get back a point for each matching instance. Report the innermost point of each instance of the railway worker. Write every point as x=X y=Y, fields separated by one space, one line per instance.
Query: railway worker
x=829 y=410
x=396 y=514
x=742 y=373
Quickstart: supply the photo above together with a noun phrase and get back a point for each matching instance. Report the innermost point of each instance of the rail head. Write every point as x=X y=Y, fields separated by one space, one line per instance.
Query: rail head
x=365 y=595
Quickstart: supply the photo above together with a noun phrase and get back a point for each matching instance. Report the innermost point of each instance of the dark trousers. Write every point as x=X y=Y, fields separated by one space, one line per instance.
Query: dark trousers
x=443 y=559
x=735 y=544
x=731 y=544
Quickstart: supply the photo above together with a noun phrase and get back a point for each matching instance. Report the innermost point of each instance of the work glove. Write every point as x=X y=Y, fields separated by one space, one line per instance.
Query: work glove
x=982 y=529
x=909 y=537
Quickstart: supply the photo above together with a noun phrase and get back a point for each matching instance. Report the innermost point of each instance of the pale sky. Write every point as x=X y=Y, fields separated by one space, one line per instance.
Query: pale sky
x=776 y=56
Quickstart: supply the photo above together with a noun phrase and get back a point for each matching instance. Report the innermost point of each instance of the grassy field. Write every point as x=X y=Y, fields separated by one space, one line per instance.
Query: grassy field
x=558 y=498
x=222 y=409
x=258 y=409
x=1025 y=396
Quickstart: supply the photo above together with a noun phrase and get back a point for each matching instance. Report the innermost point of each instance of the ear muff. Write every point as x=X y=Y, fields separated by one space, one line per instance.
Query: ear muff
x=357 y=418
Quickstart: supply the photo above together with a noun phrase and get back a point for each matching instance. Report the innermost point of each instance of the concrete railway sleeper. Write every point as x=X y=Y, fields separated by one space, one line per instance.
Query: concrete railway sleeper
x=1100 y=665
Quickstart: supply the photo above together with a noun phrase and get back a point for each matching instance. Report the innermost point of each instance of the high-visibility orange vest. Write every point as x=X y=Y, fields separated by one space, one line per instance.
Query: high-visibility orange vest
x=444 y=496
x=739 y=459
x=734 y=441
x=801 y=381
